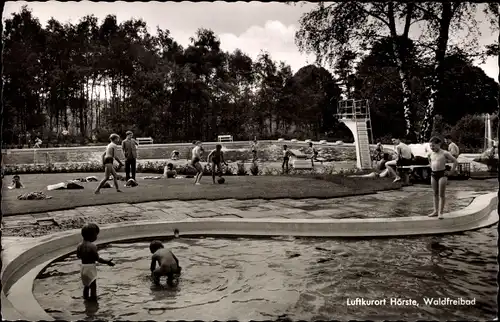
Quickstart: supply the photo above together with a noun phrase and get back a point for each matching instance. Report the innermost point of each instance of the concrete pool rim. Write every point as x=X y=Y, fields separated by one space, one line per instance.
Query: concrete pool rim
x=20 y=272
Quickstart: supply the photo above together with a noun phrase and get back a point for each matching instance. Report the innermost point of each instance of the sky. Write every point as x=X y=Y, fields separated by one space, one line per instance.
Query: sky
x=250 y=26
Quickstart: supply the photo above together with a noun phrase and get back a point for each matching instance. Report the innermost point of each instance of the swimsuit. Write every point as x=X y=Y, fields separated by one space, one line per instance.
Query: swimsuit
x=216 y=158
x=438 y=174
x=88 y=273
x=195 y=160
x=401 y=162
x=108 y=160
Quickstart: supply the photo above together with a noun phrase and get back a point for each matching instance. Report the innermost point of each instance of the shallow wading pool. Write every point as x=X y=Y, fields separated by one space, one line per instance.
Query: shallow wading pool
x=243 y=279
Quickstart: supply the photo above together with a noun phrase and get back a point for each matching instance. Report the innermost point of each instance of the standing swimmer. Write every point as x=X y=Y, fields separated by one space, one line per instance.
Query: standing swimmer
x=439 y=175
x=216 y=157
x=286 y=158
x=108 y=158
x=87 y=252
x=196 y=161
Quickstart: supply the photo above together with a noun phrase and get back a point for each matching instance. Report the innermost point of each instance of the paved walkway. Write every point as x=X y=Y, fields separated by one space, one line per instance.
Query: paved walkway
x=410 y=201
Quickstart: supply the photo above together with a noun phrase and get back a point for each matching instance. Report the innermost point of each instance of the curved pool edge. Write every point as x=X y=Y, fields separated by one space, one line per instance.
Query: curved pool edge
x=19 y=274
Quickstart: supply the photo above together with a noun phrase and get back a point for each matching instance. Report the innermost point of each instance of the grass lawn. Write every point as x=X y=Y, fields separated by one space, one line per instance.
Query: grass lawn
x=236 y=187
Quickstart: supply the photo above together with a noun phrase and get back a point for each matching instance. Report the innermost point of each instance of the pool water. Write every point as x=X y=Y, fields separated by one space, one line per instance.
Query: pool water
x=308 y=279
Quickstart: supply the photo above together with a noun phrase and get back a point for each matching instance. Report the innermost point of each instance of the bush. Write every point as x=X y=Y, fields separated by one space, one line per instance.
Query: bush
x=241 y=169
x=469 y=132
x=254 y=169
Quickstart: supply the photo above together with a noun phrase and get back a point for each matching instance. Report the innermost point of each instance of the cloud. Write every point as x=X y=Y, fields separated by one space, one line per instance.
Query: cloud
x=274 y=37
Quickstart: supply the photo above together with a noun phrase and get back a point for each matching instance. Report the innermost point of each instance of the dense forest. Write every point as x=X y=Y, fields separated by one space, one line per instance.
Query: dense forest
x=94 y=77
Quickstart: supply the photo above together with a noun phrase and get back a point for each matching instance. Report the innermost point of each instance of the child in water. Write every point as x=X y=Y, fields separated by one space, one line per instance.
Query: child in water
x=168 y=264
x=87 y=252
x=439 y=174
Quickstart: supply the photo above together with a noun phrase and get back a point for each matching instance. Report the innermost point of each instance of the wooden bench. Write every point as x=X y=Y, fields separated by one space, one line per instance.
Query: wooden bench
x=418 y=173
x=422 y=173
x=225 y=138
x=144 y=140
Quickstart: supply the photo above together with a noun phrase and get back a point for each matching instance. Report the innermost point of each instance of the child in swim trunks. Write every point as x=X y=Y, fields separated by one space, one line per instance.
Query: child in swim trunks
x=439 y=174
x=108 y=158
x=196 y=161
x=254 y=148
x=216 y=157
x=168 y=264
x=286 y=158
x=87 y=252
x=314 y=153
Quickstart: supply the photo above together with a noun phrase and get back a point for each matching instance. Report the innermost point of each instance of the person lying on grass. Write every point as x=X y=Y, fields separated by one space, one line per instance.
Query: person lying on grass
x=16 y=183
x=108 y=159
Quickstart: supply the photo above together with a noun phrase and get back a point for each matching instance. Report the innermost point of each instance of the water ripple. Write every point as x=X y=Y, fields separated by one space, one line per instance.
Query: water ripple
x=244 y=279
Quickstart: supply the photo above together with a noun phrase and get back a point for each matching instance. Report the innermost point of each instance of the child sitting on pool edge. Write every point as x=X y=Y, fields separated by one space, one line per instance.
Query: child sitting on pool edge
x=168 y=264
x=87 y=252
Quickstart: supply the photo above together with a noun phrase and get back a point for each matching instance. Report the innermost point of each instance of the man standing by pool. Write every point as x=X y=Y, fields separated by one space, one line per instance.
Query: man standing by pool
x=129 y=148
x=452 y=147
x=403 y=158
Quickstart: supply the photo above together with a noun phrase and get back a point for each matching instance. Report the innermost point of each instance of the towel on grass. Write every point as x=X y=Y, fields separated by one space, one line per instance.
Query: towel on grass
x=37 y=195
x=131 y=183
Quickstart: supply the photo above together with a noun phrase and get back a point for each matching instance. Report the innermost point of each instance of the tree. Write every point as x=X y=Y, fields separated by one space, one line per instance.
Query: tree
x=23 y=48
x=492 y=10
x=352 y=27
x=377 y=79
x=309 y=101
x=443 y=18
x=465 y=89
x=96 y=77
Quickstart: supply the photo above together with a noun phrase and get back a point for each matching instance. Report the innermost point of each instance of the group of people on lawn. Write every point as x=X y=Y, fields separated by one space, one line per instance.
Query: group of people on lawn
x=129 y=148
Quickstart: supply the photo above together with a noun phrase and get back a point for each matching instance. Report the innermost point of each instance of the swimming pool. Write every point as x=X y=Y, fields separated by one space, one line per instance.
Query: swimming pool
x=309 y=279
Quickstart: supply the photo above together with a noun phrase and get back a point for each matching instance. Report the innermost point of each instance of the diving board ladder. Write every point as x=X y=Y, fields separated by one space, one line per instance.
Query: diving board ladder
x=355 y=114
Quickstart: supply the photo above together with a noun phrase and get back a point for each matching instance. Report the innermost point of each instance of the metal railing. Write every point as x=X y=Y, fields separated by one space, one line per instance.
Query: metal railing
x=353 y=109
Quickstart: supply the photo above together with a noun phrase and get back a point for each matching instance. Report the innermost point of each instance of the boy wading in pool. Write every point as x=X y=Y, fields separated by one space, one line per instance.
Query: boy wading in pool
x=168 y=264
x=216 y=157
x=195 y=161
x=87 y=252
x=108 y=158
x=439 y=176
